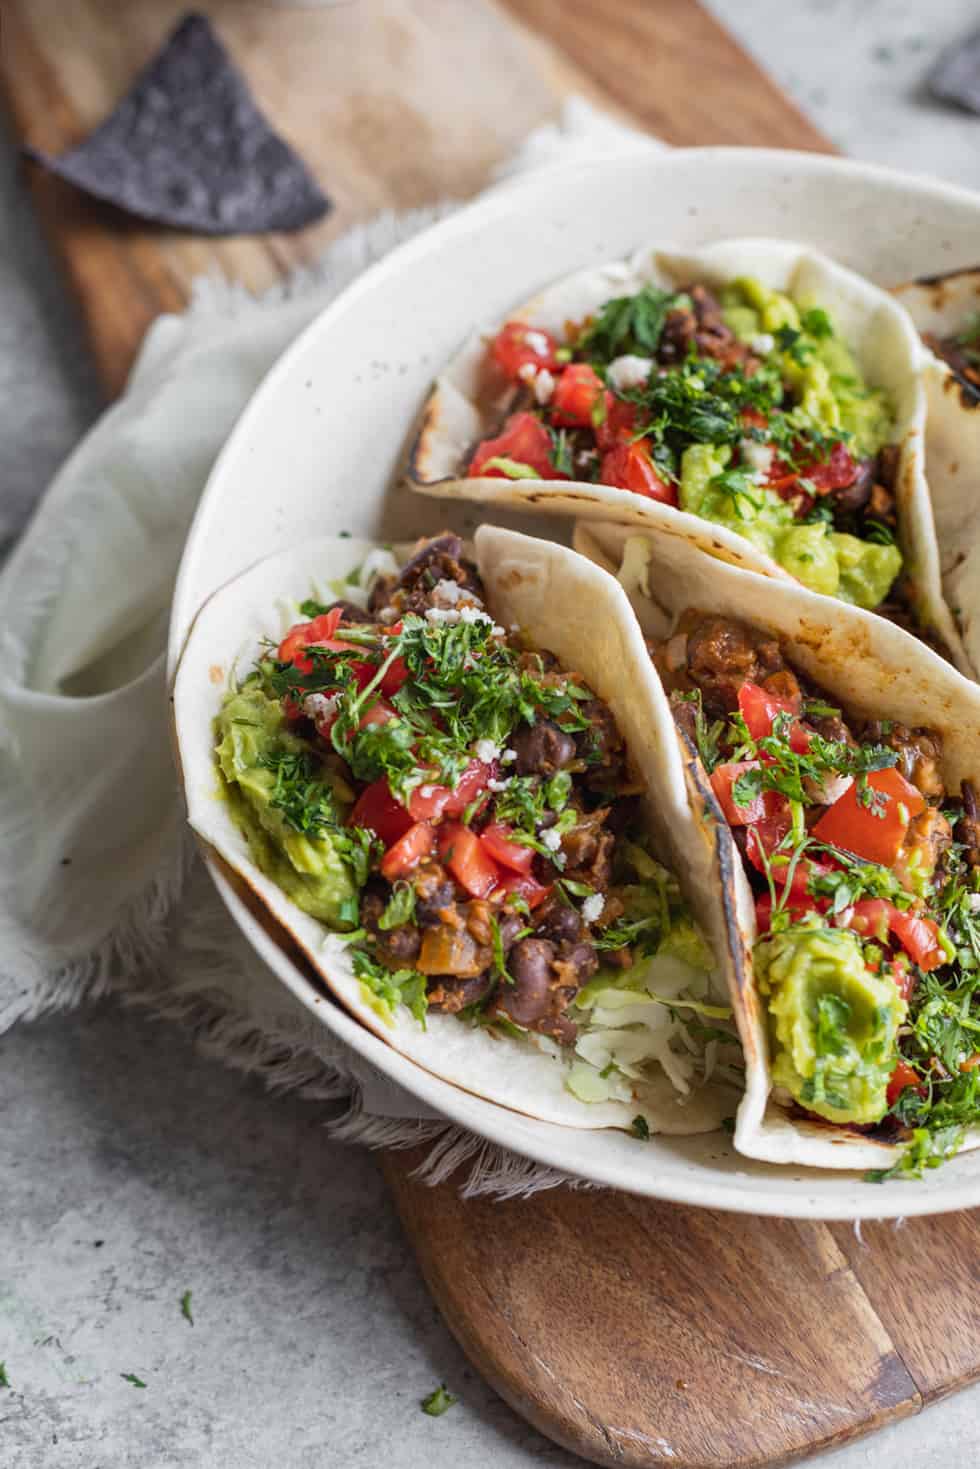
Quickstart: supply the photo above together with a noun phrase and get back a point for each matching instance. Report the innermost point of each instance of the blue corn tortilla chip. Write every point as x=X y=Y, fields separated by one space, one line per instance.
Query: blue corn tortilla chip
x=956 y=75
x=188 y=147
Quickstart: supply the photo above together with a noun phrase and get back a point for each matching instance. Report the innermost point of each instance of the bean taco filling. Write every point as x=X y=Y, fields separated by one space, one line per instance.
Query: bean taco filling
x=960 y=351
x=745 y=408
x=461 y=808
x=865 y=872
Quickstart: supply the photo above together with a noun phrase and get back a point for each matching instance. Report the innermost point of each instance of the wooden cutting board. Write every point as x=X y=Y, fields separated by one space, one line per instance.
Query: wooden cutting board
x=633 y=1333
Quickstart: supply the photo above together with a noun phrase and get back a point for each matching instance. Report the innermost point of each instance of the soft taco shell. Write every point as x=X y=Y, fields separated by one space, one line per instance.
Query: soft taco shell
x=940 y=306
x=471 y=397
x=875 y=670
x=567 y=605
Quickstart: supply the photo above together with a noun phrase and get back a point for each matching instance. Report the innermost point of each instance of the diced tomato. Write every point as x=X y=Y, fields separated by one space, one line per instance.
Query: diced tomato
x=762 y=850
x=797 y=909
x=630 y=467
x=875 y=835
x=919 y=937
x=619 y=424
x=754 y=418
x=576 y=393
x=394 y=678
x=291 y=709
x=469 y=862
x=525 y=440
x=319 y=632
x=765 y=834
x=518 y=345
x=408 y=851
x=380 y=712
x=429 y=801
x=758 y=707
x=497 y=840
x=378 y=811
x=903 y=1076
x=472 y=781
x=521 y=885
x=723 y=777
x=836 y=472
x=869 y=917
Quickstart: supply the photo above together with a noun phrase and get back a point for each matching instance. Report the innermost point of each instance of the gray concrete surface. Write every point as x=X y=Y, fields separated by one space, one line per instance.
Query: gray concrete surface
x=134 y=1171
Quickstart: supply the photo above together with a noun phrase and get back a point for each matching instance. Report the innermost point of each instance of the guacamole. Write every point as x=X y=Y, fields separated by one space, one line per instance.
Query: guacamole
x=254 y=749
x=833 y=1024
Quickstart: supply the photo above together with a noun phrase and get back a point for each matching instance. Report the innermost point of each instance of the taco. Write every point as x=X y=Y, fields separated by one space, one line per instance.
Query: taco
x=439 y=777
x=754 y=394
x=835 y=762
x=946 y=310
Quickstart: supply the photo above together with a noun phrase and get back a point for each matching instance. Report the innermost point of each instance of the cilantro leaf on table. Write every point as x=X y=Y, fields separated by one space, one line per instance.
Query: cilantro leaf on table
x=439 y=1401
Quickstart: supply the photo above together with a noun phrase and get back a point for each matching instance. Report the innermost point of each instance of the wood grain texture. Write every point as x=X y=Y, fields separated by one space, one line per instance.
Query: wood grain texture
x=631 y=1332
x=636 y=1333
x=391 y=103
x=673 y=69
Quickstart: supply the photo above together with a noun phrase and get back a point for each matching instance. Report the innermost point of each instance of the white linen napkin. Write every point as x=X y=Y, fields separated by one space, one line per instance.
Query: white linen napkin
x=100 y=887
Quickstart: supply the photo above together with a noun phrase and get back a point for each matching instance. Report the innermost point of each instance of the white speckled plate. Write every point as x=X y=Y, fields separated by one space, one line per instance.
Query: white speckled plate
x=319 y=448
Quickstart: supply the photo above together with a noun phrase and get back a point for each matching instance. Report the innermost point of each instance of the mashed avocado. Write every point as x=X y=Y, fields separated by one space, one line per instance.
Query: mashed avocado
x=833 y=1024
x=832 y=398
x=818 y=365
x=825 y=561
x=254 y=749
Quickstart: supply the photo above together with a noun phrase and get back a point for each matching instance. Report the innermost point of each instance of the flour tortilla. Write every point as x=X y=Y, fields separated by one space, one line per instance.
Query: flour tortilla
x=471 y=398
x=941 y=306
x=875 y=670
x=567 y=605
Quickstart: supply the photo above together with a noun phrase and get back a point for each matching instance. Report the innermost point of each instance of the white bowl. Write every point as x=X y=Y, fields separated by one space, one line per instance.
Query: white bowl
x=319 y=448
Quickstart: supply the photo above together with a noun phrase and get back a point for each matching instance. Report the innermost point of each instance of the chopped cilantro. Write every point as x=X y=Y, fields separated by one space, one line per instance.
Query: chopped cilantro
x=131 y=1378
x=185 y=1307
x=640 y=1128
x=400 y=907
x=816 y=323
x=439 y=1401
x=4 y=1379
x=391 y=987
x=628 y=324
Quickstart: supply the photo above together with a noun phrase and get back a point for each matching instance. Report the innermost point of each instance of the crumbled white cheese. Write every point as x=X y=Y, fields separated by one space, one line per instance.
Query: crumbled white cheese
x=538 y=342
x=447 y=593
x=592 y=907
x=527 y=372
x=762 y=343
x=388 y=614
x=473 y=614
x=758 y=457
x=973 y=902
x=544 y=385
x=628 y=372
x=508 y=757
x=320 y=706
x=442 y=615
x=585 y=457
x=501 y=785
x=486 y=751
x=551 y=839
